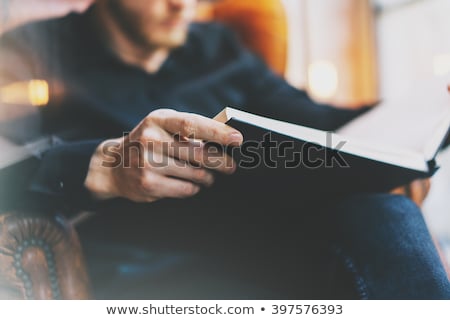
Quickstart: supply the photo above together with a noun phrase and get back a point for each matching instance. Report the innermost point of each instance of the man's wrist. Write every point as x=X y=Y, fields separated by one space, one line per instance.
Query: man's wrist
x=99 y=179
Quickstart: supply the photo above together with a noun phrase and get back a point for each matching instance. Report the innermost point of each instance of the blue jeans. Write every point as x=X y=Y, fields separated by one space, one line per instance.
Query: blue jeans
x=384 y=242
x=372 y=246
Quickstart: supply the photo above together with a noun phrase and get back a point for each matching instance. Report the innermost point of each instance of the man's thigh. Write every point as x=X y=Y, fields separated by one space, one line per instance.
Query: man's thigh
x=206 y=249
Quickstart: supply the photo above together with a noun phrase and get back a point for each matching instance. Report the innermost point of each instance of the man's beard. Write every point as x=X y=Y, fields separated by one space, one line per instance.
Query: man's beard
x=136 y=30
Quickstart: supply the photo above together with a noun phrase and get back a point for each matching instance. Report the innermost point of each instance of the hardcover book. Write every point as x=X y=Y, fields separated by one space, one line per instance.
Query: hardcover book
x=388 y=146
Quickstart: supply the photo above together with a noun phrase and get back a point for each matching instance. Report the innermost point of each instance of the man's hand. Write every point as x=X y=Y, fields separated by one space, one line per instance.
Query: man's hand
x=417 y=190
x=163 y=157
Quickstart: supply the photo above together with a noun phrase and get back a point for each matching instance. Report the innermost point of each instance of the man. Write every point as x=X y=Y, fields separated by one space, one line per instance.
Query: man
x=141 y=67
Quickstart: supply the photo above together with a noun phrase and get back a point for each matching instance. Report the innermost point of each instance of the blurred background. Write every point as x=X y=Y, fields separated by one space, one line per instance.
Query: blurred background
x=346 y=52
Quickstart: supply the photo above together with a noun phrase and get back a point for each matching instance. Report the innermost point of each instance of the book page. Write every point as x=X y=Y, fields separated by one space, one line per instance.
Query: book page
x=417 y=122
x=383 y=153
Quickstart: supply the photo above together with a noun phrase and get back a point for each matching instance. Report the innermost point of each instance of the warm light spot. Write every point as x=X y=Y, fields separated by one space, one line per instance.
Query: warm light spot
x=34 y=92
x=441 y=64
x=322 y=79
x=38 y=92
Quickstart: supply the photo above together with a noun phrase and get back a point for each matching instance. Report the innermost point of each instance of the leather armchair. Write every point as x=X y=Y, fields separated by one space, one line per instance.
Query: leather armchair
x=40 y=258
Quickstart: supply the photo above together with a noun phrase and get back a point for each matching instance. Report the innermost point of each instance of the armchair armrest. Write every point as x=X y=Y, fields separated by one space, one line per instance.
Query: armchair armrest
x=40 y=258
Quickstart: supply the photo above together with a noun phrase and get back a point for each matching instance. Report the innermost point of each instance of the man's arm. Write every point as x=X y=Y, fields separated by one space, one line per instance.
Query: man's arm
x=164 y=156
x=271 y=96
x=159 y=159
x=61 y=173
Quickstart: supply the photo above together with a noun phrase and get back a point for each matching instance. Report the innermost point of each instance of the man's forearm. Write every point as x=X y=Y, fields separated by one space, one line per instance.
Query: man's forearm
x=99 y=180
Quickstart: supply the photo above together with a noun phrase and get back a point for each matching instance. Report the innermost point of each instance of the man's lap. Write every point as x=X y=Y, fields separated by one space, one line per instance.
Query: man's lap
x=266 y=251
x=274 y=249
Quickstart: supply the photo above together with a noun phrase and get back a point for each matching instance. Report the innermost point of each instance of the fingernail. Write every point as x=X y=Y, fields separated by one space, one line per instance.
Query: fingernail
x=236 y=137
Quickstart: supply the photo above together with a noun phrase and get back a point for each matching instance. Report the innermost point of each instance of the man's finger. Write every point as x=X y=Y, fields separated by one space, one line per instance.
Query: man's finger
x=197 y=153
x=196 y=126
x=168 y=166
x=203 y=155
x=159 y=186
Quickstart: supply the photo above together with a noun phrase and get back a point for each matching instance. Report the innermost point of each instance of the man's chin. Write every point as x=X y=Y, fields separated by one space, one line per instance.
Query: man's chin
x=171 y=41
x=174 y=44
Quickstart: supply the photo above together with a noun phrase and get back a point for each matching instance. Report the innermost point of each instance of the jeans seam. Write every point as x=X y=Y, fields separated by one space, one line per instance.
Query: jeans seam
x=349 y=264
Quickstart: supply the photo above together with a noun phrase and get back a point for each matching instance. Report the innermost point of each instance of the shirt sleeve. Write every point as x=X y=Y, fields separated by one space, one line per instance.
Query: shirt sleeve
x=61 y=174
x=271 y=96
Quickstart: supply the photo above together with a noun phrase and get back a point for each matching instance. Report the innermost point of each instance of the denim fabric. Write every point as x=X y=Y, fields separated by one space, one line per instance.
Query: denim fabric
x=373 y=246
x=384 y=242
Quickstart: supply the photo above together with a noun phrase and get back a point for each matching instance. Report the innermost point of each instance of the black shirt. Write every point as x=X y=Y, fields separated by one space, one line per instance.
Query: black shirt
x=106 y=97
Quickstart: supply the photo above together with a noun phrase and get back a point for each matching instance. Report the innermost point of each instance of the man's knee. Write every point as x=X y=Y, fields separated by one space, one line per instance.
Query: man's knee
x=386 y=210
x=383 y=224
x=389 y=244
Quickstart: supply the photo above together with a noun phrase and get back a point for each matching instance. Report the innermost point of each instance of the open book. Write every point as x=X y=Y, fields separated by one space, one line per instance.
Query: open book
x=386 y=147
